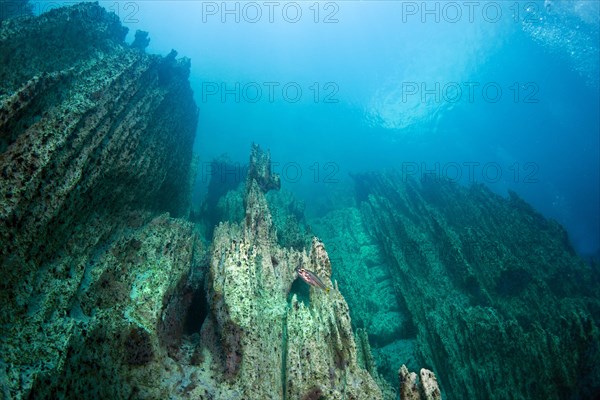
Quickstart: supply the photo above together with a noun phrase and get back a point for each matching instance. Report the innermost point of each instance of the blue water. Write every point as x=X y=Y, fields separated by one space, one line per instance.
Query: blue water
x=504 y=93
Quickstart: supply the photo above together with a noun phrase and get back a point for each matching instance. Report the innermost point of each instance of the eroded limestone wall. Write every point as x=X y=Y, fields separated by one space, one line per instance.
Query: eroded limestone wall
x=95 y=141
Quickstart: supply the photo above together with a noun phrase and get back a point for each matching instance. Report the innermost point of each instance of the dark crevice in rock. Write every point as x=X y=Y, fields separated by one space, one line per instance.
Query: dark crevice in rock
x=314 y=393
x=182 y=316
x=512 y=282
x=302 y=292
x=196 y=313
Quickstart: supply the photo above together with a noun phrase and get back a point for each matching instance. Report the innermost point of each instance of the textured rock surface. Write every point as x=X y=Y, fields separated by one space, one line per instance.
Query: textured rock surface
x=123 y=333
x=103 y=293
x=500 y=303
x=275 y=346
x=98 y=130
x=95 y=140
x=364 y=278
x=411 y=388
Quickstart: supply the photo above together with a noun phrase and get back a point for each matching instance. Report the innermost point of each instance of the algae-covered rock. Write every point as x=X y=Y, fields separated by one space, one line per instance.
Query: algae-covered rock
x=412 y=388
x=103 y=292
x=500 y=304
x=273 y=345
x=364 y=278
x=260 y=170
x=95 y=142
x=124 y=333
x=289 y=220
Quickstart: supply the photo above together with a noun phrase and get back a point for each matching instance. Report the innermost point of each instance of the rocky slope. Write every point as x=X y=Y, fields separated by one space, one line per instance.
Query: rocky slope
x=270 y=340
x=479 y=288
x=107 y=290
x=95 y=141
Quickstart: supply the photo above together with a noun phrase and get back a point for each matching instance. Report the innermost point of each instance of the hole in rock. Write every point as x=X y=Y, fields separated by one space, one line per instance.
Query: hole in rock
x=182 y=317
x=196 y=313
x=302 y=292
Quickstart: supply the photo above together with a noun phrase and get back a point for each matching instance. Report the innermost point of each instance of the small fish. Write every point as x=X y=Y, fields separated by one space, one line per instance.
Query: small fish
x=311 y=278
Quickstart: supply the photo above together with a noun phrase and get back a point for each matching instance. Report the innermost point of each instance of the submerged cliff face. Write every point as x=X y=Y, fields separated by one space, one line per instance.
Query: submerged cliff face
x=89 y=128
x=105 y=295
x=481 y=289
x=103 y=292
x=274 y=345
x=95 y=141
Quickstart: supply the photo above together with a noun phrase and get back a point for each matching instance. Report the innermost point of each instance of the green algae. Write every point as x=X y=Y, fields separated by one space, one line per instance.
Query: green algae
x=475 y=279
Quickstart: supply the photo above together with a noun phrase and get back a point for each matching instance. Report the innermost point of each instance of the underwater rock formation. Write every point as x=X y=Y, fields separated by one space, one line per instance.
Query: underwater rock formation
x=104 y=293
x=126 y=321
x=426 y=388
x=274 y=345
x=261 y=171
x=98 y=128
x=364 y=278
x=499 y=303
x=95 y=141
